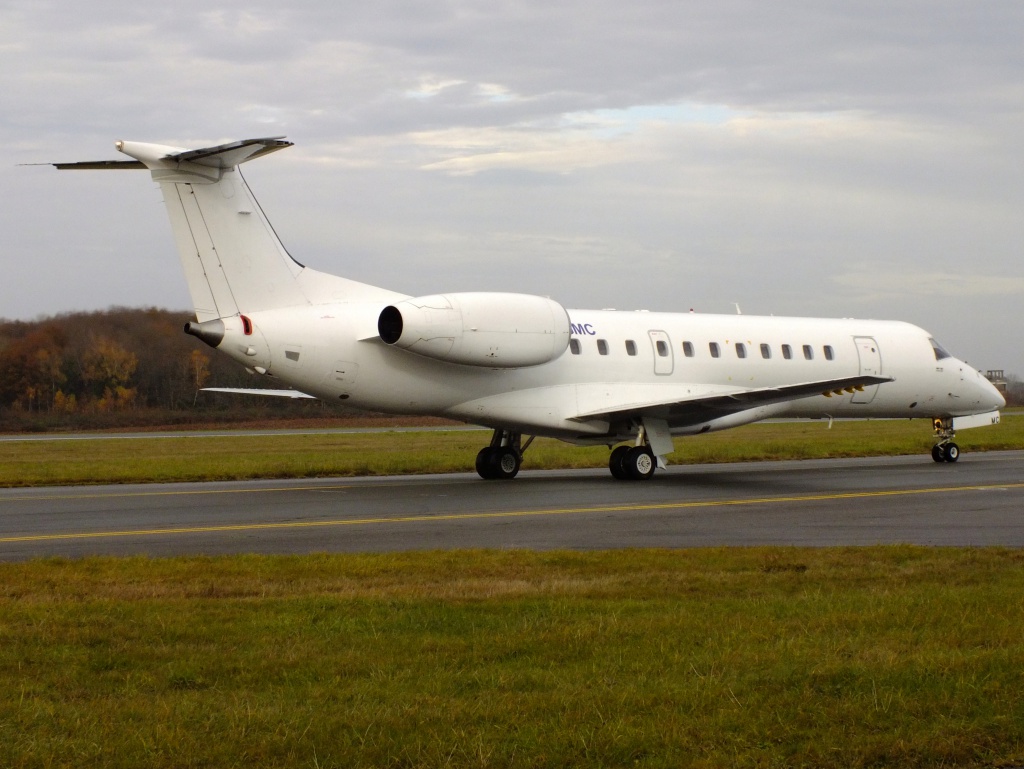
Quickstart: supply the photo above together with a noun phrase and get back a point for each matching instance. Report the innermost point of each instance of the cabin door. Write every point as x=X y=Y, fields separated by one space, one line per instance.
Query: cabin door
x=870 y=364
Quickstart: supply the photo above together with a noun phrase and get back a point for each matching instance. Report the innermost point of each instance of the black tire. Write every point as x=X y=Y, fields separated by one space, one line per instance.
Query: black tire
x=938 y=454
x=640 y=463
x=505 y=463
x=951 y=452
x=615 y=463
x=484 y=463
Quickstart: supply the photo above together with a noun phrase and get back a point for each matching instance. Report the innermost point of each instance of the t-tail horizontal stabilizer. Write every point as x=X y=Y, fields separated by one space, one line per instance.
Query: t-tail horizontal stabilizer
x=161 y=158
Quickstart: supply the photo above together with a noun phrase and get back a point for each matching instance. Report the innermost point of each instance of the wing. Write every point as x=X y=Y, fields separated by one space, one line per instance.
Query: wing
x=683 y=405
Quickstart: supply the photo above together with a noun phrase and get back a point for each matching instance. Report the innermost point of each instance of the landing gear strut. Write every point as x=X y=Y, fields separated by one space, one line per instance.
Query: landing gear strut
x=502 y=459
x=945 y=450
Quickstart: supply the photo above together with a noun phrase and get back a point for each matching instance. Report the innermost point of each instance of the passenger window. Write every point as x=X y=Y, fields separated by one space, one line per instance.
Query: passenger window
x=808 y=352
x=829 y=353
x=787 y=352
x=630 y=347
x=662 y=348
x=688 y=349
x=574 y=346
x=766 y=351
x=715 y=351
x=602 y=347
x=741 y=350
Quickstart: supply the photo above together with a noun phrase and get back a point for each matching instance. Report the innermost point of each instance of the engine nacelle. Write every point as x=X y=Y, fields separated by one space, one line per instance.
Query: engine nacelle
x=478 y=329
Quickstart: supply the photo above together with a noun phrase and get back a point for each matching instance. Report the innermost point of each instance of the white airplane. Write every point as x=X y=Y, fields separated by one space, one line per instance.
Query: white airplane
x=524 y=365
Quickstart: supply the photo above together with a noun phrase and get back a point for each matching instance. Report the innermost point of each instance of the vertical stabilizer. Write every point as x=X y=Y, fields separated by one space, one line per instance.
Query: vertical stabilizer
x=233 y=260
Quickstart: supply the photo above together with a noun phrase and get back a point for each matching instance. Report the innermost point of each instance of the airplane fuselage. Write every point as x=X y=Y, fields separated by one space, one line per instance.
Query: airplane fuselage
x=334 y=353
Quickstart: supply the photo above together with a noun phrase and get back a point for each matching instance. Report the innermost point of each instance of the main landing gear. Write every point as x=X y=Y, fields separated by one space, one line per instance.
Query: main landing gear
x=632 y=463
x=503 y=458
x=945 y=450
x=638 y=462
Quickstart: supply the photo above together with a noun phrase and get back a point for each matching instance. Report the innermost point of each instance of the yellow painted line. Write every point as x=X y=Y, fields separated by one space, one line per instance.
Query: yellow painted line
x=504 y=514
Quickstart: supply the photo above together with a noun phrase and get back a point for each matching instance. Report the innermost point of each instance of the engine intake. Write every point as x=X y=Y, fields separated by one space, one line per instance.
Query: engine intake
x=495 y=330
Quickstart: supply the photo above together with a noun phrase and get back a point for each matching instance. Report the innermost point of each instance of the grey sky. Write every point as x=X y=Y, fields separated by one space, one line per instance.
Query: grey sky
x=800 y=158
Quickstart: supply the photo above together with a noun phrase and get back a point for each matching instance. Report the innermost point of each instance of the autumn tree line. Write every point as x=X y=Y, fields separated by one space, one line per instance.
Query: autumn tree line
x=121 y=366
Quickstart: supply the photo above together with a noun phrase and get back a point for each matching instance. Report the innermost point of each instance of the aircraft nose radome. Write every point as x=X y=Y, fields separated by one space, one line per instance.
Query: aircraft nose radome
x=988 y=394
x=999 y=401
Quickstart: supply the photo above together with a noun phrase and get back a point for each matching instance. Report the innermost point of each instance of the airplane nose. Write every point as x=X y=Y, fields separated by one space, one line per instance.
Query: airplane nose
x=988 y=396
x=999 y=401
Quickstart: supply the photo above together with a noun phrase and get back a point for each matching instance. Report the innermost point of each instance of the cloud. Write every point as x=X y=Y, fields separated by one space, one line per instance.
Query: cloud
x=796 y=157
x=884 y=284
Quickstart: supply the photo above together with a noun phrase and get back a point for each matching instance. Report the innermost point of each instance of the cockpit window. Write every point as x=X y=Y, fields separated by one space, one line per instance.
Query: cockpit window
x=940 y=351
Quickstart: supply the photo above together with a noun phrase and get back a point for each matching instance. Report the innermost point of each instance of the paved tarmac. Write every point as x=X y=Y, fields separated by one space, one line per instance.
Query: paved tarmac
x=977 y=501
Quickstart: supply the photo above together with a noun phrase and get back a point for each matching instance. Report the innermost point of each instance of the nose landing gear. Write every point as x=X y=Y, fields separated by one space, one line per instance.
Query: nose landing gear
x=945 y=450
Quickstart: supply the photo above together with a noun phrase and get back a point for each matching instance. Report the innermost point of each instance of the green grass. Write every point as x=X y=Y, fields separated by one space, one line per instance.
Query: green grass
x=193 y=458
x=896 y=657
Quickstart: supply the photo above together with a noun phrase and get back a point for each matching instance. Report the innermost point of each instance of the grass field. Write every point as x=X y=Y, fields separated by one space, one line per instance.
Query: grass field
x=753 y=657
x=895 y=657
x=193 y=458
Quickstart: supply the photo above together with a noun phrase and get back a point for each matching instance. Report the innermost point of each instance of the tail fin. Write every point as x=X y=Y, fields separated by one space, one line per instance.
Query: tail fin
x=233 y=260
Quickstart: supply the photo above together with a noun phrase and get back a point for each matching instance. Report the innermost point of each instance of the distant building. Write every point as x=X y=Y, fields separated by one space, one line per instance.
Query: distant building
x=997 y=378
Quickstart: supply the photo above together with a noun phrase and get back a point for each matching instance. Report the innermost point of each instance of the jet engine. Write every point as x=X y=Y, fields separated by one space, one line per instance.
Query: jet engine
x=495 y=330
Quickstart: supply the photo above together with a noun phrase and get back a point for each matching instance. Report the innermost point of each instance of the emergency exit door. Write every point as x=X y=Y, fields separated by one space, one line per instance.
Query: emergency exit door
x=663 y=362
x=870 y=364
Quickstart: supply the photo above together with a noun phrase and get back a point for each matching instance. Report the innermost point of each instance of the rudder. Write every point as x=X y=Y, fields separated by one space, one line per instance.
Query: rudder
x=233 y=260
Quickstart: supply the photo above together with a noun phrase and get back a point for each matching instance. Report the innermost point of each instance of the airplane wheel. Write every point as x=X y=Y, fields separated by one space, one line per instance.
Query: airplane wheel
x=615 y=463
x=938 y=454
x=505 y=463
x=483 y=463
x=639 y=463
x=951 y=452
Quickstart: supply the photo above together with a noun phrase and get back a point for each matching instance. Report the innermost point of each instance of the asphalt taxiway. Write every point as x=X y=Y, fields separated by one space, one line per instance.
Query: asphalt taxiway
x=977 y=501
